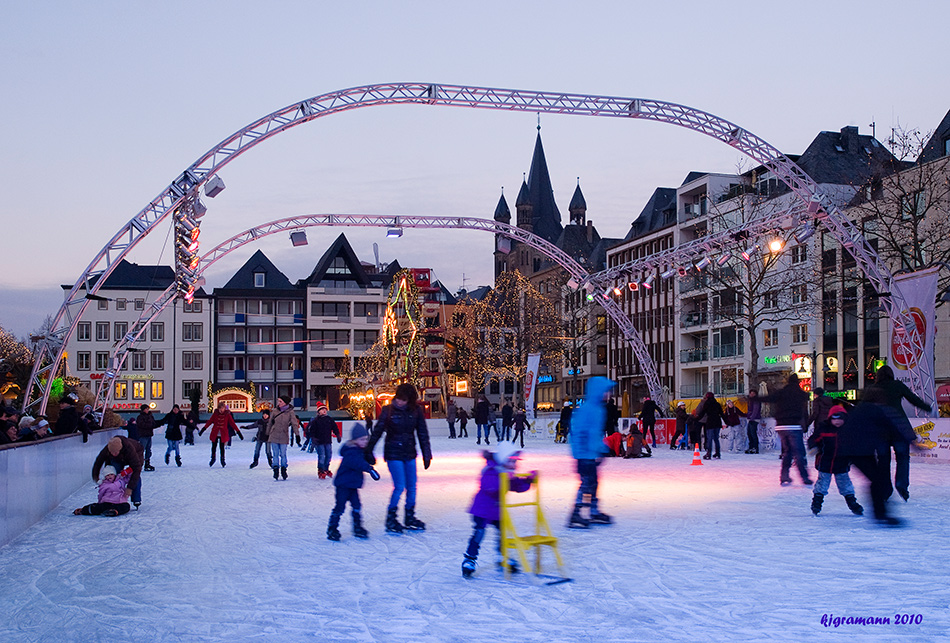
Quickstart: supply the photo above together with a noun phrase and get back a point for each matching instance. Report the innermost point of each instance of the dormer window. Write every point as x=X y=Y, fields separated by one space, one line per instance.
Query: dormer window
x=259 y=279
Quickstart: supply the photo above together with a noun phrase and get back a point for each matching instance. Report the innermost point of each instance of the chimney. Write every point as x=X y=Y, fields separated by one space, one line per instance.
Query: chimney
x=590 y=231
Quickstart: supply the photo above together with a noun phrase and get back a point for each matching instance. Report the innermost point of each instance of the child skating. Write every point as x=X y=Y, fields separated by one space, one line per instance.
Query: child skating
x=829 y=463
x=348 y=480
x=112 y=500
x=486 y=506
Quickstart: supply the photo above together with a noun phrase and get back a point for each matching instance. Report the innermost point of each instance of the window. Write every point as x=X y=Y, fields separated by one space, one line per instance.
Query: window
x=138 y=361
x=365 y=310
x=192 y=331
x=330 y=309
x=102 y=331
x=913 y=206
x=288 y=363
x=121 y=330
x=121 y=391
x=264 y=335
x=799 y=333
x=289 y=307
x=84 y=332
x=139 y=304
x=363 y=339
x=601 y=355
x=188 y=386
x=259 y=279
x=103 y=304
x=157 y=331
x=799 y=254
x=158 y=389
x=770 y=337
x=191 y=360
x=325 y=364
x=325 y=337
x=230 y=363
x=120 y=303
x=158 y=360
x=102 y=360
x=799 y=294
x=138 y=390
x=193 y=307
x=601 y=324
x=83 y=361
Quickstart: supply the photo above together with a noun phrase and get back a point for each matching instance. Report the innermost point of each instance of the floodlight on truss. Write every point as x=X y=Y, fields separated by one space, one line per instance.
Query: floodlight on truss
x=648 y=282
x=805 y=232
x=298 y=238
x=724 y=259
x=749 y=252
x=666 y=274
x=633 y=286
x=703 y=263
x=393 y=232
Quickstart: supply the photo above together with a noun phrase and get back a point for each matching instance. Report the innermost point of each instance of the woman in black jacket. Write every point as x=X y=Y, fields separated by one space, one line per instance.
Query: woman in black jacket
x=709 y=413
x=403 y=422
x=174 y=420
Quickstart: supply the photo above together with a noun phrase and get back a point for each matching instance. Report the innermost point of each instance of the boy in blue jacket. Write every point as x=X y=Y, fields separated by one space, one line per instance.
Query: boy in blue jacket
x=348 y=480
x=588 y=448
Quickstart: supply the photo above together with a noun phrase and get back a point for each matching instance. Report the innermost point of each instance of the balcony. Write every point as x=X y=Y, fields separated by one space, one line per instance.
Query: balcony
x=261 y=319
x=693 y=391
x=691 y=355
x=696 y=318
x=720 y=351
x=694 y=282
x=726 y=313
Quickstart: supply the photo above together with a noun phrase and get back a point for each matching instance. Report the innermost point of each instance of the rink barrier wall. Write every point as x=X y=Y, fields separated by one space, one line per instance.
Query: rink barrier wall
x=37 y=476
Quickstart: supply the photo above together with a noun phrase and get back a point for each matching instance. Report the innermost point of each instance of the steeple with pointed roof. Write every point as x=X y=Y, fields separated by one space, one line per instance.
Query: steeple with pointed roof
x=525 y=208
x=502 y=213
x=545 y=217
x=578 y=207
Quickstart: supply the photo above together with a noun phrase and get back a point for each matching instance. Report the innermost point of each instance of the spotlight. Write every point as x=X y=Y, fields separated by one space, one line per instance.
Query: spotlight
x=749 y=252
x=617 y=291
x=805 y=232
x=724 y=259
x=199 y=209
x=814 y=204
x=633 y=286
x=648 y=282
x=607 y=293
x=589 y=287
x=393 y=232
x=776 y=245
x=590 y=297
x=298 y=238
x=682 y=271
x=705 y=261
x=669 y=273
x=214 y=186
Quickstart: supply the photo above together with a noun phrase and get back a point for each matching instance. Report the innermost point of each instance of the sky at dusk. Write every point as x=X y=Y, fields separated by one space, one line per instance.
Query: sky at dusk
x=106 y=103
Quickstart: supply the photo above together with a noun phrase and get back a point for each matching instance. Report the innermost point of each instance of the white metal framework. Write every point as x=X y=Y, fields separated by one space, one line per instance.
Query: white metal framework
x=50 y=350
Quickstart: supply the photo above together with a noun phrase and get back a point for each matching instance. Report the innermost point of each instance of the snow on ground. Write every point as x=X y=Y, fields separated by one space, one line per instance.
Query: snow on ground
x=719 y=552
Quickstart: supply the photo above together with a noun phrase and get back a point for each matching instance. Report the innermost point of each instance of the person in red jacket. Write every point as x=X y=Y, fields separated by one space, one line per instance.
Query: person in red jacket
x=221 y=422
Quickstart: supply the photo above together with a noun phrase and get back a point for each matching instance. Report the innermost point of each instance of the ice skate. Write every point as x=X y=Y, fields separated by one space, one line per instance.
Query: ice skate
x=178 y=460
x=413 y=523
x=816 y=502
x=333 y=534
x=601 y=519
x=166 y=458
x=392 y=523
x=276 y=473
x=358 y=529
x=577 y=521
x=283 y=472
x=853 y=505
x=468 y=567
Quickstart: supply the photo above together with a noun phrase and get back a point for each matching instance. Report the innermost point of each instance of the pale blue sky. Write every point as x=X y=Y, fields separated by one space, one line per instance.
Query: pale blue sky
x=106 y=102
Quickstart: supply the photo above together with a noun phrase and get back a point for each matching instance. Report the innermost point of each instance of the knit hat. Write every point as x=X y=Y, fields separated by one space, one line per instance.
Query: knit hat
x=505 y=452
x=108 y=470
x=837 y=411
x=359 y=431
x=681 y=403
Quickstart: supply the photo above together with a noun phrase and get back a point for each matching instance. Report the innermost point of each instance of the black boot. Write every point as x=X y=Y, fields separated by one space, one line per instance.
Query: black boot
x=577 y=521
x=853 y=505
x=276 y=473
x=816 y=502
x=358 y=530
x=148 y=466
x=253 y=464
x=283 y=472
x=166 y=458
x=392 y=523
x=333 y=533
x=178 y=460
x=413 y=523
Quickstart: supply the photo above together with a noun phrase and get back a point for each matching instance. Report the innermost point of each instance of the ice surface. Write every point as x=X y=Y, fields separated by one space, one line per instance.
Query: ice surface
x=719 y=552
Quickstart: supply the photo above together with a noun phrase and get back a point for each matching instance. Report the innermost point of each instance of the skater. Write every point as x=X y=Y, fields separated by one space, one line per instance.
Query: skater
x=520 y=424
x=192 y=425
x=788 y=407
x=486 y=506
x=613 y=417
x=222 y=422
x=462 y=415
x=112 y=496
x=403 y=422
x=754 y=416
x=681 y=416
x=829 y=463
x=588 y=449
x=480 y=415
x=348 y=480
x=893 y=392
x=282 y=422
x=648 y=416
x=710 y=414
x=451 y=412
x=493 y=422
x=121 y=452
x=507 y=419
x=324 y=429
x=145 y=424
x=174 y=420
x=564 y=423
x=731 y=417
x=260 y=439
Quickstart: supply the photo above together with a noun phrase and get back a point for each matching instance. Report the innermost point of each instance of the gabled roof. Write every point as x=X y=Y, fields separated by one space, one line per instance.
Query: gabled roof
x=243 y=279
x=445 y=296
x=339 y=248
x=546 y=218
x=132 y=276
x=692 y=176
x=937 y=145
x=659 y=212
x=846 y=158
x=473 y=295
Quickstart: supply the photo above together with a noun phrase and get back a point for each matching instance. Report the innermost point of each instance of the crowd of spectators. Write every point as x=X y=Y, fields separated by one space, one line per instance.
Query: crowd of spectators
x=19 y=427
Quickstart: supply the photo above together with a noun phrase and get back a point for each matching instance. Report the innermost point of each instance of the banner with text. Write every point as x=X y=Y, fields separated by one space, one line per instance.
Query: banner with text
x=531 y=382
x=913 y=350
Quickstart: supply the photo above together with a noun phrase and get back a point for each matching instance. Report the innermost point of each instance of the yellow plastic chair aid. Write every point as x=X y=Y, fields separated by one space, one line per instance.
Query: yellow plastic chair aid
x=511 y=540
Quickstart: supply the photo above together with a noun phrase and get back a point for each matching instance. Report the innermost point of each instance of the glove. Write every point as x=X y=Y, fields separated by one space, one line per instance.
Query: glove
x=240 y=435
x=426 y=462
x=370 y=458
x=126 y=471
x=374 y=474
x=201 y=431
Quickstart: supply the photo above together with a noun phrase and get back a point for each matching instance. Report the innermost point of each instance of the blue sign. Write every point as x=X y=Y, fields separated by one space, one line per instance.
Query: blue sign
x=543 y=379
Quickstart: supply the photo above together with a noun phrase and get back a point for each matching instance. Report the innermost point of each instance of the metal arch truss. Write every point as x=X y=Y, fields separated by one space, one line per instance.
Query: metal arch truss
x=50 y=352
x=106 y=388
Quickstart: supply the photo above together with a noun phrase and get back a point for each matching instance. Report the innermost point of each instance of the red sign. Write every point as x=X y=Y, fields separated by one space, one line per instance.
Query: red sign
x=908 y=351
x=943 y=394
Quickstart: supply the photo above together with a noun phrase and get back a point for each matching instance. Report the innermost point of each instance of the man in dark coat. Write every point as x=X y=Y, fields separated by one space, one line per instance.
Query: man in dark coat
x=68 y=420
x=613 y=416
x=121 y=452
x=507 y=419
x=146 y=428
x=481 y=419
x=789 y=405
x=648 y=417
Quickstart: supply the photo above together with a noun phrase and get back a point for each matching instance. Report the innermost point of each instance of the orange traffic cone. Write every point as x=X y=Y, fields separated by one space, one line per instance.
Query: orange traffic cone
x=697 y=460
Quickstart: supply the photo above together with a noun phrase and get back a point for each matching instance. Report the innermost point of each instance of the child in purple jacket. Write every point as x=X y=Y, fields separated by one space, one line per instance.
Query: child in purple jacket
x=485 y=507
x=112 y=500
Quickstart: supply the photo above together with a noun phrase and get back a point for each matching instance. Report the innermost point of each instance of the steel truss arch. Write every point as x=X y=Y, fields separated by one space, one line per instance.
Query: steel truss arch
x=50 y=351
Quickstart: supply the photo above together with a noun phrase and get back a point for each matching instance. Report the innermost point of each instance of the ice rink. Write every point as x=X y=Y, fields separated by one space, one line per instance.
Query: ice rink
x=718 y=552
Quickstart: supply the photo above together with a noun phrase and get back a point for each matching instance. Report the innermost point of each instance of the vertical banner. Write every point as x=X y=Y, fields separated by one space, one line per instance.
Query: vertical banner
x=914 y=351
x=530 y=383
